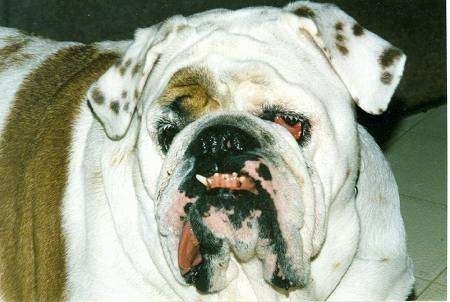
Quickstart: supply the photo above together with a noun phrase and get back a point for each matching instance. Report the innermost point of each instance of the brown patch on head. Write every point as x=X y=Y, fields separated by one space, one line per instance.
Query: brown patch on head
x=358 y=30
x=339 y=26
x=189 y=92
x=34 y=158
x=342 y=49
x=115 y=107
x=386 y=78
x=13 y=53
x=304 y=11
x=97 y=96
x=388 y=56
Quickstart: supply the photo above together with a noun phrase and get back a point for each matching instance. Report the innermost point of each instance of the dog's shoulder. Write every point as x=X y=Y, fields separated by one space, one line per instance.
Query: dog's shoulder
x=43 y=85
x=378 y=204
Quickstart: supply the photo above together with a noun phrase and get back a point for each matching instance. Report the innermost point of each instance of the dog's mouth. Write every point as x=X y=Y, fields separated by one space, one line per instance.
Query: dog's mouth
x=230 y=202
x=234 y=212
x=232 y=182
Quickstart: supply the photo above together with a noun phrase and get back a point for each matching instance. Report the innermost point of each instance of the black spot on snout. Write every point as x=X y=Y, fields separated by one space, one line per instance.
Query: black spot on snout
x=264 y=172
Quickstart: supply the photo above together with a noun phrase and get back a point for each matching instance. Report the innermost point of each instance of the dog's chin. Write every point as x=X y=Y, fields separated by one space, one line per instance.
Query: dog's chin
x=246 y=207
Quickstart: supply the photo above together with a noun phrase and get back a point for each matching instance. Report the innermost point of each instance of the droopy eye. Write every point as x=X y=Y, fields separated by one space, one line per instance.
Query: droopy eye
x=295 y=123
x=166 y=131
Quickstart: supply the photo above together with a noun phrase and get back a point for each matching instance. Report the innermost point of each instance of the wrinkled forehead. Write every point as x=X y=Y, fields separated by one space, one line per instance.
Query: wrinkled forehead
x=260 y=45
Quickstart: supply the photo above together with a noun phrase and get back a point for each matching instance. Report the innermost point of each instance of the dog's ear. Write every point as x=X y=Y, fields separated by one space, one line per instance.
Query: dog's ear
x=116 y=94
x=369 y=66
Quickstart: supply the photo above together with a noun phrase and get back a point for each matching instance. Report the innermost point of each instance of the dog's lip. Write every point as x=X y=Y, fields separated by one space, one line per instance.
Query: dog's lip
x=231 y=181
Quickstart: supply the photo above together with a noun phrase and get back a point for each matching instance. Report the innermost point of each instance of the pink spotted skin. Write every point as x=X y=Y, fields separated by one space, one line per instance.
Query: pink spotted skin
x=175 y=214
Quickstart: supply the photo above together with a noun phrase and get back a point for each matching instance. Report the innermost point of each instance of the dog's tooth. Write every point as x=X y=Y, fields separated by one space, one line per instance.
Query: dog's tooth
x=202 y=179
x=234 y=174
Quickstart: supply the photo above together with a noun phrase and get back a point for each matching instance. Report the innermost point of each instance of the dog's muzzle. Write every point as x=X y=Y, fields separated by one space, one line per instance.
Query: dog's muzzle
x=227 y=203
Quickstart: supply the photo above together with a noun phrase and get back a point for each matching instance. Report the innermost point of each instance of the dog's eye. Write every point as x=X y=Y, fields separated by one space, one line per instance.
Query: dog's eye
x=292 y=124
x=166 y=132
x=295 y=123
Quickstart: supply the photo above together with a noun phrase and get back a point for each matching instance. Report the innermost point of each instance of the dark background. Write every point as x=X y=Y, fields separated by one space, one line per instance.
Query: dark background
x=417 y=27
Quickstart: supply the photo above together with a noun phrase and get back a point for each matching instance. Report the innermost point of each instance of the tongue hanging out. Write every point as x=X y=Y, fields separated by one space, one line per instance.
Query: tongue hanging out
x=188 y=250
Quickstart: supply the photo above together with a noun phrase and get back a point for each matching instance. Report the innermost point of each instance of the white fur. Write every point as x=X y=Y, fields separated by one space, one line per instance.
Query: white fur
x=114 y=247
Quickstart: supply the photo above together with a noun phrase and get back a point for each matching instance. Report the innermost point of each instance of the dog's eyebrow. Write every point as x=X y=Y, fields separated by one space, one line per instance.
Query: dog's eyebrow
x=189 y=92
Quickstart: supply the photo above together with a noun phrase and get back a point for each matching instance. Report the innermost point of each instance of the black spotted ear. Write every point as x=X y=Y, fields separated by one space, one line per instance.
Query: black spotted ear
x=369 y=66
x=116 y=93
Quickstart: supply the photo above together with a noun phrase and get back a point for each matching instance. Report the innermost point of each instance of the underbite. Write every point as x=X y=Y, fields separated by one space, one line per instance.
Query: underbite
x=231 y=181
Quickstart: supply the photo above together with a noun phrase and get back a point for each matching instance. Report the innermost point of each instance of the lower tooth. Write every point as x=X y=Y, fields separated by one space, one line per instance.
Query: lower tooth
x=202 y=179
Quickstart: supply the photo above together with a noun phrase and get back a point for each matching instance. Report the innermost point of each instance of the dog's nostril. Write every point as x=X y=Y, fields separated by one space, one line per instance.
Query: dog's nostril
x=220 y=139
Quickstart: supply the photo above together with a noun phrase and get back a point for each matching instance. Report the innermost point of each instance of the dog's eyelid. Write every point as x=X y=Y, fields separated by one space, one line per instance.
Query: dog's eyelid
x=166 y=130
x=296 y=123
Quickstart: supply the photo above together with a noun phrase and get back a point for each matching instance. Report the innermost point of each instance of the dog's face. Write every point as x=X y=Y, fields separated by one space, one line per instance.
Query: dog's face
x=246 y=132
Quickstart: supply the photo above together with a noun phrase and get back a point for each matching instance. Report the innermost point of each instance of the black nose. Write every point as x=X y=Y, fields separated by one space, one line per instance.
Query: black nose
x=220 y=140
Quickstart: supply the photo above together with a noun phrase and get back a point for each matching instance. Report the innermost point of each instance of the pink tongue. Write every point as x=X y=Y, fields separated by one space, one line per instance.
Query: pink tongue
x=188 y=250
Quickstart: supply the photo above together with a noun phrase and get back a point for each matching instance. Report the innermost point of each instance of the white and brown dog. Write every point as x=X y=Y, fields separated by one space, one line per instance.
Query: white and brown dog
x=215 y=157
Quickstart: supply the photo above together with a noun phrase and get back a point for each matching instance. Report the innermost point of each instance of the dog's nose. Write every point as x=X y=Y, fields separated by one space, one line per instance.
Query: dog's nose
x=223 y=139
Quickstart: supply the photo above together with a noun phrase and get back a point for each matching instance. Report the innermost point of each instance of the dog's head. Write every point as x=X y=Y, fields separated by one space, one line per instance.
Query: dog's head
x=246 y=132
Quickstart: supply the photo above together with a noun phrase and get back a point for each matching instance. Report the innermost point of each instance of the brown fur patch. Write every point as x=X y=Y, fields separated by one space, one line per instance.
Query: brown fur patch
x=386 y=78
x=335 y=266
x=34 y=154
x=127 y=63
x=342 y=49
x=358 y=30
x=340 y=38
x=189 y=92
x=304 y=11
x=123 y=68
x=388 y=56
x=135 y=69
x=339 y=26
x=114 y=106
x=13 y=52
x=98 y=96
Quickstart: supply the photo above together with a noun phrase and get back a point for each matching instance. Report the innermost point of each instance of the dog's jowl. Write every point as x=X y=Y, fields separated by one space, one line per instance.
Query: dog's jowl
x=213 y=157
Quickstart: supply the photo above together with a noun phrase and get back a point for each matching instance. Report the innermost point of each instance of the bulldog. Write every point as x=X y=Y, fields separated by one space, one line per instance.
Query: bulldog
x=215 y=157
